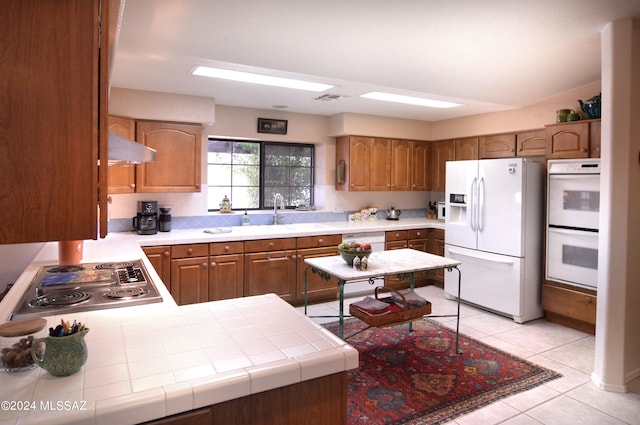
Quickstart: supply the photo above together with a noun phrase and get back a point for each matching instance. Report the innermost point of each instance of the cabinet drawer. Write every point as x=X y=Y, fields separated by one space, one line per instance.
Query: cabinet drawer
x=222 y=248
x=437 y=233
x=571 y=303
x=270 y=245
x=191 y=250
x=319 y=241
x=417 y=233
x=395 y=235
x=395 y=245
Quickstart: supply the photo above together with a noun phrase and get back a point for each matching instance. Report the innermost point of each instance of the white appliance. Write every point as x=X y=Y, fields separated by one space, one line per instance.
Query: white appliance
x=376 y=239
x=494 y=226
x=573 y=208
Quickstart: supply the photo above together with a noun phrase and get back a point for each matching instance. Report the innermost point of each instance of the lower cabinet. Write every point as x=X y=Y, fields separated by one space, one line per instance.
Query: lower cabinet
x=226 y=272
x=160 y=259
x=570 y=306
x=415 y=239
x=270 y=267
x=435 y=245
x=190 y=273
x=318 y=289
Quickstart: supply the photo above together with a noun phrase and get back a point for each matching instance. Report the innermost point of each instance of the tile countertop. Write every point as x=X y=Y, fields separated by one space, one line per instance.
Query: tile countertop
x=156 y=360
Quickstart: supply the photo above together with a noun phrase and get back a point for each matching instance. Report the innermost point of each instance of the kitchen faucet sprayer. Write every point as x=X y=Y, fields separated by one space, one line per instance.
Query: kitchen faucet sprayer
x=276 y=217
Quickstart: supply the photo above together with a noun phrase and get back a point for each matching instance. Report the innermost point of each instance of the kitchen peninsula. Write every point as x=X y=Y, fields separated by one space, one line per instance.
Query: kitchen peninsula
x=235 y=360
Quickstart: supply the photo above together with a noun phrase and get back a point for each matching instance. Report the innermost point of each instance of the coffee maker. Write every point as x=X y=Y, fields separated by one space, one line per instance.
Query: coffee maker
x=146 y=221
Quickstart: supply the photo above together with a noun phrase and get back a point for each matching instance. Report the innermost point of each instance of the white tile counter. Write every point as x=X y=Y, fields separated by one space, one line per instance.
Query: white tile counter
x=149 y=361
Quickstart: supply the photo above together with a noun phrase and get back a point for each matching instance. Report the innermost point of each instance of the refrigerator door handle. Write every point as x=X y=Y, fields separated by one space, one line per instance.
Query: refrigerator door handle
x=473 y=204
x=493 y=260
x=481 y=189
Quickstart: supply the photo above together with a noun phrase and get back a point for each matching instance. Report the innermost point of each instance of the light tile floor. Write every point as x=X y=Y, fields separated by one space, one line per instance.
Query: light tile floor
x=571 y=399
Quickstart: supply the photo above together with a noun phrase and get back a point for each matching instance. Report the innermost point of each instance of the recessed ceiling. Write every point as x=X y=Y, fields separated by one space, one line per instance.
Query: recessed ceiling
x=488 y=55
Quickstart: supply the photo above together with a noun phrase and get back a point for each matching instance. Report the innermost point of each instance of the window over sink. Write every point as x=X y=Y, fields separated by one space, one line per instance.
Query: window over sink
x=250 y=173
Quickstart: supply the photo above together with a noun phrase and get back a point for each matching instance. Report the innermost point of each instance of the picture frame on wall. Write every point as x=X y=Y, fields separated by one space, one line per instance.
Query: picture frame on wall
x=271 y=126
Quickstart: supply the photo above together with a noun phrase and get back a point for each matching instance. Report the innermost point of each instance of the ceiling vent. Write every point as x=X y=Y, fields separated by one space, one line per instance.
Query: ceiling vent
x=329 y=97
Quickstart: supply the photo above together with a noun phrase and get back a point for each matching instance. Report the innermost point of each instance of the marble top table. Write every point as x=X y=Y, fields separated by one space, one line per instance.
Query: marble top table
x=381 y=263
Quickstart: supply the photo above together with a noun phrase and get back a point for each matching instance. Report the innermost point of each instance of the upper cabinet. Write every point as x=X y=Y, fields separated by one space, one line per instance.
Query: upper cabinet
x=122 y=177
x=441 y=152
x=497 y=146
x=379 y=164
x=466 y=148
x=178 y=157
x=531 y=143
x=578 y=139
x=53 y=122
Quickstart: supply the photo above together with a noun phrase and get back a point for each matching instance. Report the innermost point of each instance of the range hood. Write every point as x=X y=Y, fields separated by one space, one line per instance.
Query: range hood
x=122 y=150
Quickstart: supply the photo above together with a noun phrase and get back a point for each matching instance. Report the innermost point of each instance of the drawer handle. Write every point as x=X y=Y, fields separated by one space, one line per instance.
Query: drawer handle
x=205 y=265
x=213 y=264
x=320 y=241
x=588 y=300
x=189 y=251
x=166 y=253
x=226 y=248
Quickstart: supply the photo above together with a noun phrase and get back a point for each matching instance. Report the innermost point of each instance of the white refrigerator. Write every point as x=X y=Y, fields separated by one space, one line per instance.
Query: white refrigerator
x=494 y=226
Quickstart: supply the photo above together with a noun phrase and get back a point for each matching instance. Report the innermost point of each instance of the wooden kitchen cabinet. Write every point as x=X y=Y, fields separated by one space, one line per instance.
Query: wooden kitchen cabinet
x=160 y=258
x=414 y=239
x=178 y=157
x=595 y=133
x=53 y=121
x=270 y=267
x=193 y=417
x=401 y=166
x=226 y=273
x=122 y=177
x=420 y=178
x=531 y=143
x=497 y=146
x=379 y=164
x=441 y=152
x=466 y=148
x=318 y=289
x=570 y=306
x=567 y=140
x=435 y=245
x=190 y=273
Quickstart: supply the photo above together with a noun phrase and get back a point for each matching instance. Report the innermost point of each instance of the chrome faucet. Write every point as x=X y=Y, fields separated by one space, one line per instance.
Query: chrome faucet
x=276 y=217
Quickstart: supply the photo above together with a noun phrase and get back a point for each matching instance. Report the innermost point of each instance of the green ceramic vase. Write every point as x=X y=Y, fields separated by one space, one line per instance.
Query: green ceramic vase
x=60 y=356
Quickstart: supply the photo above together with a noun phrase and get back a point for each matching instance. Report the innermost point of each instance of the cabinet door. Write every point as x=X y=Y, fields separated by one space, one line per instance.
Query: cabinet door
x=594 y=142
x=52 y=121
x=160 y=258
x=435 y=246
x=401 y=164
x=380 y=164
x=441 y=152
x=226 y=277
x=122 y=177
x=497 y=146
x=270 y=272
x=190 y=280
x=358 y=164
x=178 y=159
x=317 y=288
x=420 y=178
x=466 y=148
x=568 y=140
x=531 y=143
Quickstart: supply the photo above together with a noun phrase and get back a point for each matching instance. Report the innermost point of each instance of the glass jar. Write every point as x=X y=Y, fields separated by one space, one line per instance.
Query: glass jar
x=16 y=338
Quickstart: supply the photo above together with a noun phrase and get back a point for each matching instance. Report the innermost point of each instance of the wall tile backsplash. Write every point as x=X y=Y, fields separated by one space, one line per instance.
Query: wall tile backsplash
x=257 y=218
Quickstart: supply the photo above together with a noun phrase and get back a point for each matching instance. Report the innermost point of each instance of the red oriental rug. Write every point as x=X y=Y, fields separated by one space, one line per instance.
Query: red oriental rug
x=416 y=378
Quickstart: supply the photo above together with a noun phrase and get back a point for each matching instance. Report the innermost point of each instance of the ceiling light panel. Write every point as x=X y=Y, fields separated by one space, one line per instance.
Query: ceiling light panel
x=267 y=80
x=409 y=100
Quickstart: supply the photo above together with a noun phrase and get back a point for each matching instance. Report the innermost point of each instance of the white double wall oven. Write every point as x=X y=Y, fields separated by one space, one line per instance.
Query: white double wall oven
x=573 y=208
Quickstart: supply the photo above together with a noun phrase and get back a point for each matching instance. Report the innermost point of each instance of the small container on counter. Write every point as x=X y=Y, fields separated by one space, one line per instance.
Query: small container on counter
x=16 y=338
